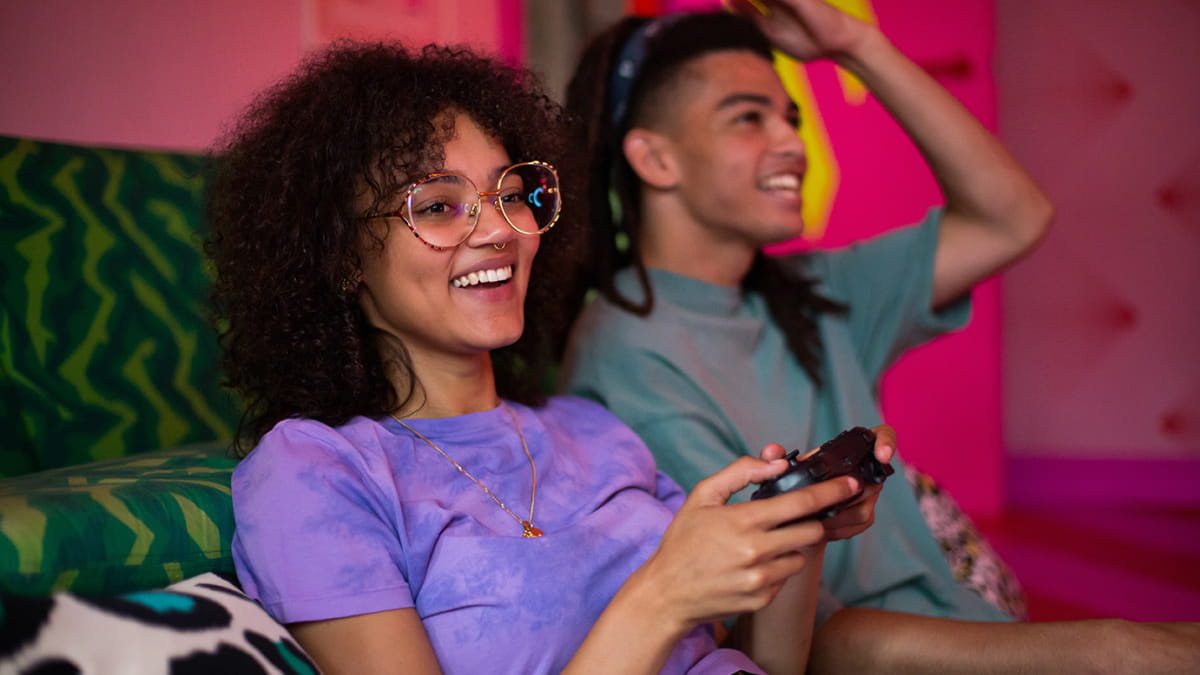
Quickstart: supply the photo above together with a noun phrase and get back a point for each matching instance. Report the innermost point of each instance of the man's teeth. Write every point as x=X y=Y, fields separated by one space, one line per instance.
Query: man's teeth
x=484 y=277
x=788 y=181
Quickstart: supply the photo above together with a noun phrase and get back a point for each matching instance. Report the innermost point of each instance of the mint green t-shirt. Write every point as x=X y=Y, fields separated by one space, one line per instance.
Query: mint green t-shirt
x=708 y=377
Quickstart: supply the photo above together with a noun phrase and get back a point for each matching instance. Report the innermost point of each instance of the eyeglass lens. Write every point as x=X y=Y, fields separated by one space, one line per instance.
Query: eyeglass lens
x=444 y=208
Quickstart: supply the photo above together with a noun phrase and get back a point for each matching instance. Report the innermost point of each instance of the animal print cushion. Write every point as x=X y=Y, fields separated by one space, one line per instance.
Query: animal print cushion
x=974 y=562
x=203 y=624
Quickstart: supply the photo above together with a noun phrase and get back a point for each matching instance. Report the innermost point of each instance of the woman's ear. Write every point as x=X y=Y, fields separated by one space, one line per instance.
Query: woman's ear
x=351 y=282
x=651 y=157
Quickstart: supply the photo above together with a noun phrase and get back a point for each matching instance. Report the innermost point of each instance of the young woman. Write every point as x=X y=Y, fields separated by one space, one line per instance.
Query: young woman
x=705 y=346
x=389 y=266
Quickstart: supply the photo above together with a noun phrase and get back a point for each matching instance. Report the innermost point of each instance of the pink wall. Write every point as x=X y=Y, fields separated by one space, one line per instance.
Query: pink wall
x=1102 y=103
x=139 y=72
x=1102 y=323
x=156 y=74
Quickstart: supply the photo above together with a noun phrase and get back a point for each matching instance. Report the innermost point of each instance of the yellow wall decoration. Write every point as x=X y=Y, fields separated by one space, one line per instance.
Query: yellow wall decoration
x=821 y=182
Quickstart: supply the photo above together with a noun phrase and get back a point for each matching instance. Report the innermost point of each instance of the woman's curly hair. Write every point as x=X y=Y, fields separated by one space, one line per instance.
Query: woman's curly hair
x=286 y=233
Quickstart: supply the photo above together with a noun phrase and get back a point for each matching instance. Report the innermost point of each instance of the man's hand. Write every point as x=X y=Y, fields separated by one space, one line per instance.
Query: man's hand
x=804 y=29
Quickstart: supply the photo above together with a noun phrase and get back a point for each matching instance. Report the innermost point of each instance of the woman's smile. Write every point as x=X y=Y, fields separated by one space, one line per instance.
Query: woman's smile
x=487 y=278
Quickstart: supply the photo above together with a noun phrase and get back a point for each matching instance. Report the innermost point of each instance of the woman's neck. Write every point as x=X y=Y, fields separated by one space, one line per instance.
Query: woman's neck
x=449 y=386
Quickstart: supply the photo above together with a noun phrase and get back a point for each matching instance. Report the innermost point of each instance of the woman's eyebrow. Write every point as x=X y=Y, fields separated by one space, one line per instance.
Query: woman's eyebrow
x=497 y=171
x=492 y=176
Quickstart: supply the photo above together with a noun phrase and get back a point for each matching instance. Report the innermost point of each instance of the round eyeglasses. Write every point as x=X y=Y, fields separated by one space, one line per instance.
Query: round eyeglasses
x=443 y=208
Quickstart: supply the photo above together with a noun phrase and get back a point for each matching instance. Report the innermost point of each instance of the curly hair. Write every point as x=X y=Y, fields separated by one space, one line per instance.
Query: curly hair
x=286 y=234
x=613 y=189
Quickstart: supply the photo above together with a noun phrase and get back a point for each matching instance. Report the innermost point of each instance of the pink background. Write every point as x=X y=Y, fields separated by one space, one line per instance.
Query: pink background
x=1078 y=363
x=1102 y=323
x=168 y=74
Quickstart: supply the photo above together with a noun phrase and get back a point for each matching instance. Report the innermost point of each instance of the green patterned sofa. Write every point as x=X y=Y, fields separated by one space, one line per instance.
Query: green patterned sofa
x=114 y=468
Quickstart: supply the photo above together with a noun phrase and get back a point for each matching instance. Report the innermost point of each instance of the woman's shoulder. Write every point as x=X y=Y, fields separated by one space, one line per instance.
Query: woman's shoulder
x=310 y=443
x=305 y=429
x=588 y=420
x=603 y=449
x=576 y=411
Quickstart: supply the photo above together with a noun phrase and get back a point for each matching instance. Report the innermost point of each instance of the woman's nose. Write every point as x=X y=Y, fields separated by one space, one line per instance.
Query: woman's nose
x=492 y=227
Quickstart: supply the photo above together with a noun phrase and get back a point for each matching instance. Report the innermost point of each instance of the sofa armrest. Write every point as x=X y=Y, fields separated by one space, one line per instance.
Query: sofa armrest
x=119 y=525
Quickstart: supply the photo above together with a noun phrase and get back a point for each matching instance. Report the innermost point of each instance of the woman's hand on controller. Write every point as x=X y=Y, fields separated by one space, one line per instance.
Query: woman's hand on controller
x=718 y=559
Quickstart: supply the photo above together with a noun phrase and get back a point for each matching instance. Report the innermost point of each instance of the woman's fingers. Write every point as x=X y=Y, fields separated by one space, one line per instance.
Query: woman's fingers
x=789 y=506
x=718 y=559
x=719 y=487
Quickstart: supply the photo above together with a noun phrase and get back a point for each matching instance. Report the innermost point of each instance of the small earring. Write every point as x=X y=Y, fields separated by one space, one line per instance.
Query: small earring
x=348 y=285
x=500 y=247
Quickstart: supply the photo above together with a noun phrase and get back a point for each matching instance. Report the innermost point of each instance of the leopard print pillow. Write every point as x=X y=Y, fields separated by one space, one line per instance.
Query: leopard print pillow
x=204 y=624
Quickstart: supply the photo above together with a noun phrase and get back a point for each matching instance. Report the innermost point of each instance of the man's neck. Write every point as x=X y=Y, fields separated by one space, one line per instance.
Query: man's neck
x=676 y=243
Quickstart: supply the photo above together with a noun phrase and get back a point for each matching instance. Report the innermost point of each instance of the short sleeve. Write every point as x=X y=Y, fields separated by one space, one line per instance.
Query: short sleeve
x=669 y=492
x=887 y=283
x=314 y=538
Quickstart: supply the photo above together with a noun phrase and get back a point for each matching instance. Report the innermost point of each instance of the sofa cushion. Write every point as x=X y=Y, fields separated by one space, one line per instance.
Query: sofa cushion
x=105 y=345
x=201 y=625
x=119 y=525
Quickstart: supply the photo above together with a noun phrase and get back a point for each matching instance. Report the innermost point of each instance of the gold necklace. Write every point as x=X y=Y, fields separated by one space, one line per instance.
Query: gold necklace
x=527 y=529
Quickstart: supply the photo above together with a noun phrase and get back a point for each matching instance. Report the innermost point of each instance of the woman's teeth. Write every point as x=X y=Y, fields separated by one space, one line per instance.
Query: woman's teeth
x=483 y=277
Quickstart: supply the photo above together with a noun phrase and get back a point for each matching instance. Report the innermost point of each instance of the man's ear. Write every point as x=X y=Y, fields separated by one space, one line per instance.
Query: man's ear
x=651 y=156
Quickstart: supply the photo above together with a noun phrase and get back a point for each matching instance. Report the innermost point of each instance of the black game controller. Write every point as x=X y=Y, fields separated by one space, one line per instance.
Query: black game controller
x=851 y=453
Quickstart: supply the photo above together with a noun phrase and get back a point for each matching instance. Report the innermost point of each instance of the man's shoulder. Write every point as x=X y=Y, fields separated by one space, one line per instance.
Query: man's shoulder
x=604 y=327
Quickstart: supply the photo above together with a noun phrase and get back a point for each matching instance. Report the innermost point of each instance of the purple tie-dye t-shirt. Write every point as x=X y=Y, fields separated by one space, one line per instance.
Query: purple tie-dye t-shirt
x=365 y=517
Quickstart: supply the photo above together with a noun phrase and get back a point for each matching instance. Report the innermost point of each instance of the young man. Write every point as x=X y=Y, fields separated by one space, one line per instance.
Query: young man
x=706 y=347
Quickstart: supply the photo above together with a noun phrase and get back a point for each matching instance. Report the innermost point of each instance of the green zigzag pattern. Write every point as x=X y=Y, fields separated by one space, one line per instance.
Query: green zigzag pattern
x=132 y=523
x=105 y=350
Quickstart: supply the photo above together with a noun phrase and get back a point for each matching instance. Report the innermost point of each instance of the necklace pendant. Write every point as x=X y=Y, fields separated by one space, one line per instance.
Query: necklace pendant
x=529 y=530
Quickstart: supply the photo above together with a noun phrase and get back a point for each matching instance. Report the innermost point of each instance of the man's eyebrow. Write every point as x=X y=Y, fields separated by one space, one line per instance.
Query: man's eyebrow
x=743 y=97
x=757 y=99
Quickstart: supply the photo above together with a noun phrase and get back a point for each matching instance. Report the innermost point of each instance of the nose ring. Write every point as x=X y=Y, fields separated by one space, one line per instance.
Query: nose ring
x=500 y=247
